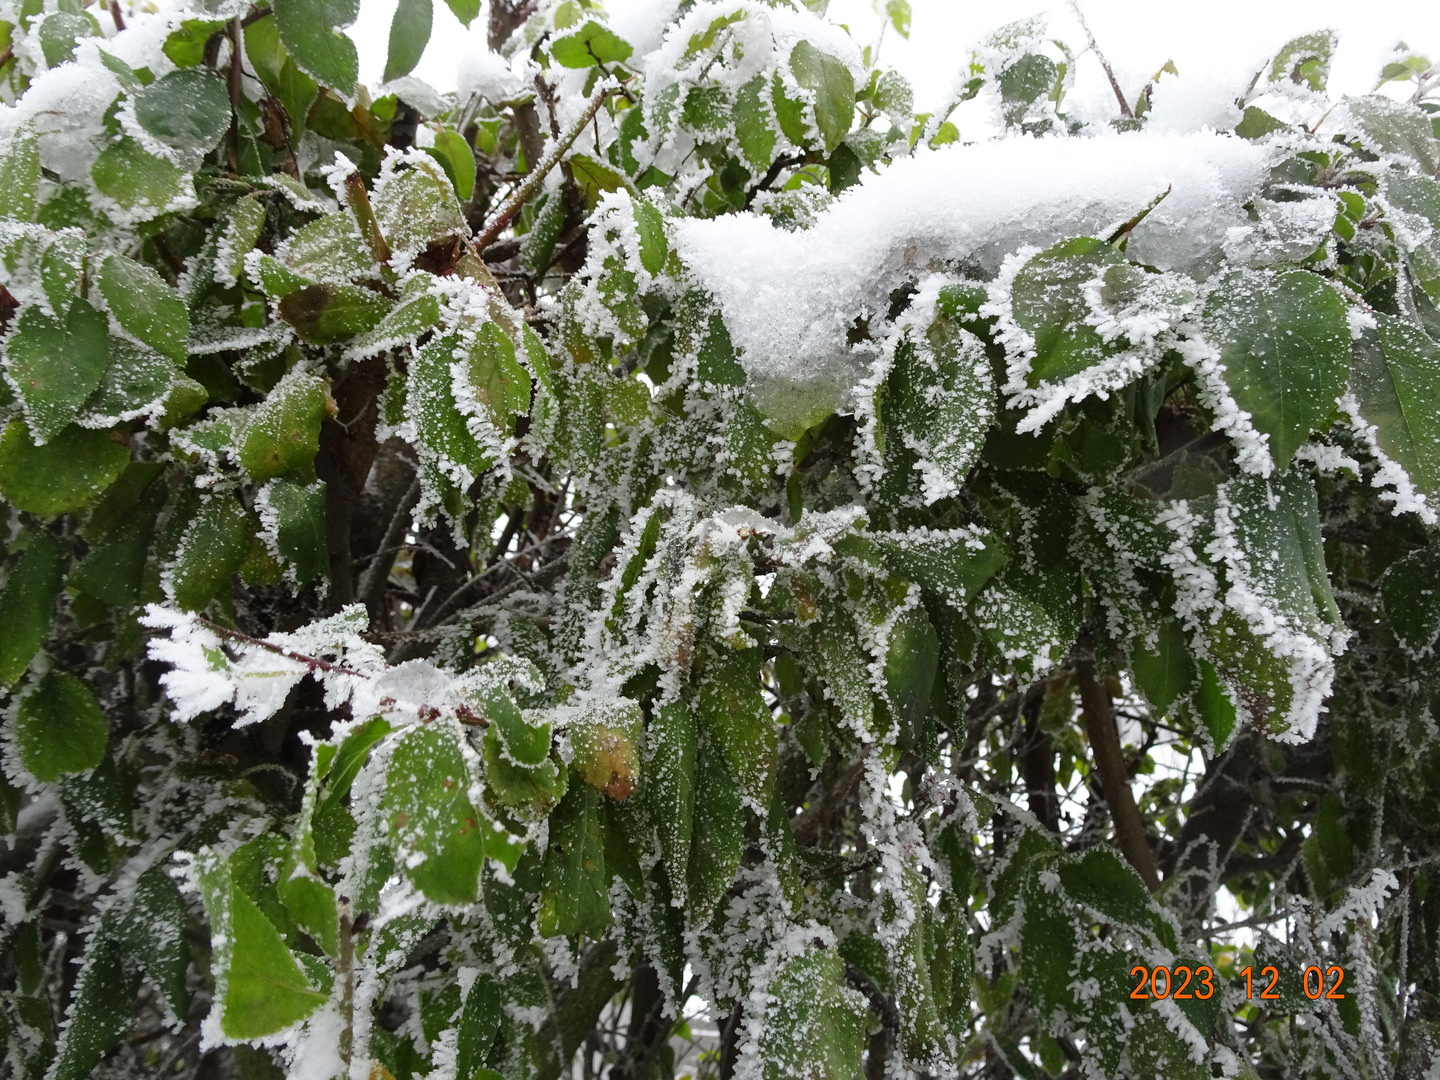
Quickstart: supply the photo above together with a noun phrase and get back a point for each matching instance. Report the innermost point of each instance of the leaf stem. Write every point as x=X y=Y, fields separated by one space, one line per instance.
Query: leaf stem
x=536 y=177
x=1125 y=109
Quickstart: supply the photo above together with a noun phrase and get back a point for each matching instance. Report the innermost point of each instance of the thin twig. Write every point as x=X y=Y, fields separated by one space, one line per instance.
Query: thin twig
x=536 y=177
x=1125 y=109
x=314 y=663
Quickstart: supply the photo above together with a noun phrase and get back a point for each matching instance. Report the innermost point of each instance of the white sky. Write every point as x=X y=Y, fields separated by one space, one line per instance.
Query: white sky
x=1212 y=37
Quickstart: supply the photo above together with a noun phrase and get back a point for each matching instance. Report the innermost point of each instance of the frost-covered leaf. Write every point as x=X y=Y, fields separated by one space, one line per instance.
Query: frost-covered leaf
x=65 y=474
x=260 y=986
x=606 y=741
x=574 y=880
x=405 y=322
x=814 y=1025
x=911 y=655
x=954 y=563
x=530 y=791
x=313 y=33
x=430 y=405
x=326 y=313
x=1305 y=60
x=1049 y=303
x=1410 y=590
x=101 y=1010
x=282 y=434
x=293 y=516
x=438 y=834
x=139 y=181
x=497 y=380
x=1396 y=127
x=1396 y=384
x=61 y=268
x=247 y=218
x=329 y=249
x=188 y=109
x=212 y=548
x=144 y=306
x=153 y=932
x=1284 y=342
x=20 y=175
x=416 y=206
x=59 y=727
x=59 y=33
x=27 y=606
x=670 y=786
x=833 y=87
x=113 y=569
x=56 y=364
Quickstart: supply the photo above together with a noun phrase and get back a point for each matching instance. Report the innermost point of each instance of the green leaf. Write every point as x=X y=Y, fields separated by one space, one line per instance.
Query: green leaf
x=61 y=268
x=574 y=883
x=591 y=44
x=138 y=180
x=911 y=657
x=59 y=33
x=530 y=791
x=312 y=32
x=814 y=1026
x=20 y=175
x=1305 y=60
x=294 y=516
x=1026 y=81
x=1048 y=298
x=437 y=832
x=63 y=475
x=1167 y=672
x=1397 y=127
x=405 y=322
x=282 y=434
x=833 y=87
x=186 y=46
x=1257 y=123
x=326 y=313
x=56 y=364
x=113 y=570
x=752 y=125
x=479 y=1023
x=899 y=14
x=954 y=564
x=59 y=727
x=733 y=716
x=417 y=206
x=153 y=934
x=145 y=307
x=262 y=988
x=844 y=667
x=594 y=179
x=1410 y=591
x=1395 y=379
x=101 y=1011
x=188 y=109
x=528 y=744
x=458 y=161
x=27 y=606
x=669 y=790
x=409 y=34
x=465 y=11
x=430 y=404
x=650 y=224
x=500 y=384
x=279 y=74
x=247 y=219
x=212 y=548
x=1285 y=343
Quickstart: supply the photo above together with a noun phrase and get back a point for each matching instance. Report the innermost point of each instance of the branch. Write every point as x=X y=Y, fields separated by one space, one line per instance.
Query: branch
x=536 y=176
x=1114 y=780
x=1125 y=109
x=372 y=583
x=314 y=663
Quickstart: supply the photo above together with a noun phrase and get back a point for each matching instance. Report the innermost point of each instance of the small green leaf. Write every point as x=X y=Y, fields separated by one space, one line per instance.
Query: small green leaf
x=654 y=248
x=56 y=364
x=409 y=34
x=405 y=322
x=1397 y=127
x=670 y=785
x=1305 y=60
x=63 y=475
x=1285 y=342
x=27 y=606
x=59 y=727
x=458 y=161
x=530 y=791
x=752 y=125
x=1048 y=299
x=59 y=34
x=1396 y=380
x=834 y=89
x=438 y=833
x=417 y=206
x=589 y=45
x=528 y=744
x=899 y=13
x=113 y=570
x=153 y=935
x=1410 y=590
x=188 y=109
x=101 y=1010
x=186 y=46
x=312 y=32
x=279 y=74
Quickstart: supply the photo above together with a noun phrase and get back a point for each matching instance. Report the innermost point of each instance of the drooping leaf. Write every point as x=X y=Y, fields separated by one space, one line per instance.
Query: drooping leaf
x=1394 y=379
x=27 y=606
x=575 y=883
x=313 y=34
x=1410 y=590
x=814 y=1027
x=498 y=381
x=101 y=1010
x=409 y=34
x=1049 y=303
x=834 y=89
x=144 y=306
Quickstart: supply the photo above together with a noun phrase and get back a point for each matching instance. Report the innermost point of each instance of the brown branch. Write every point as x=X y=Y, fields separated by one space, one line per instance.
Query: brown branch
x=6 y=56
x=1125 y=109
x=314 y=663
x=115 y=14
x=1114 y=779
x=536 y=177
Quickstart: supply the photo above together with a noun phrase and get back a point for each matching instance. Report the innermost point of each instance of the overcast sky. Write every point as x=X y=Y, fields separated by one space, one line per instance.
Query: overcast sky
x=1137 y=36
